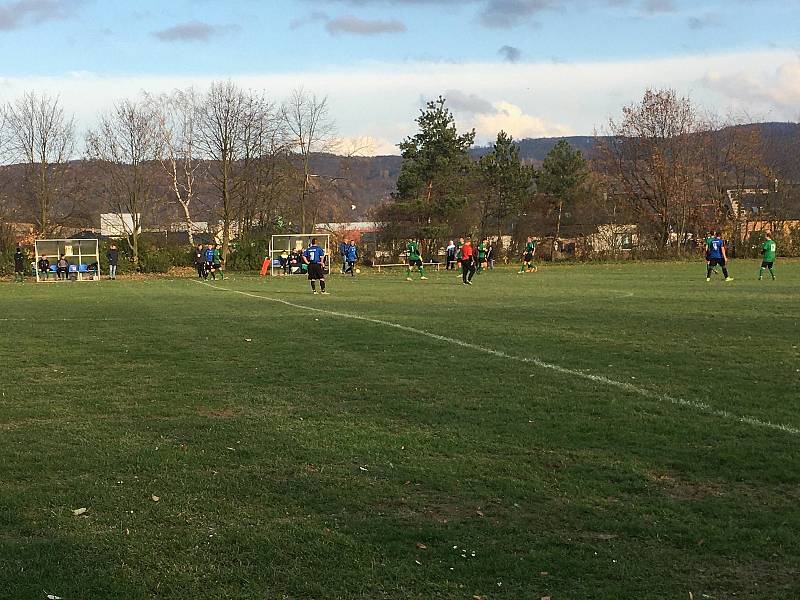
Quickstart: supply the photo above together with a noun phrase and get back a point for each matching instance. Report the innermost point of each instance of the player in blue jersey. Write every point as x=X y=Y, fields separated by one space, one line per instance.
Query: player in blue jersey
x=209 y=256
x=351 y=255
x=717 y=255
x=314 y=256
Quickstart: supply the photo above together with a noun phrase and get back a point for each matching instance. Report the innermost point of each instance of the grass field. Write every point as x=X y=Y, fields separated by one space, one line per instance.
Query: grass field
x=595 y=431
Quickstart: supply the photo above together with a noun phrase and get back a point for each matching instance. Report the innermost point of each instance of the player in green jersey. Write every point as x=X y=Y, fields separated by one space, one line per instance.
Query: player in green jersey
x=768 y=250
x=482 y=247
x=527 y=258
x=414 y=260
x=216 y=263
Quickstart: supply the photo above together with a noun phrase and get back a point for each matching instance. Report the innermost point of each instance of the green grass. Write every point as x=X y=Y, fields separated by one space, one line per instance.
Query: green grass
x=338 y=458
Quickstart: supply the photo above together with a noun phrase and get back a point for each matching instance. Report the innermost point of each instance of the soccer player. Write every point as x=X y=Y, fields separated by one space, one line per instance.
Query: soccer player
x=527 y=258
x=343 y=254
x=459 y=246
x=414 y=260
x=313 y=257
x=768 y=250
x=467 y=262
x=200 y=262
x=208 y=255
x=19 y=265
x=708 y=240
x=216 y=264
x=717 y=255
x=351 y=256
x=482 y=249
x=450 y=251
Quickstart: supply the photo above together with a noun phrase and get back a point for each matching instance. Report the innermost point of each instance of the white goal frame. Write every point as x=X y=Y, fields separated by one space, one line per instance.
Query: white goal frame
x=280 y=243
x=85 y=251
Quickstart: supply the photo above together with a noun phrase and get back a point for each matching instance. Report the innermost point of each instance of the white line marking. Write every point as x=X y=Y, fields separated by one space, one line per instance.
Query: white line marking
x=645 y=393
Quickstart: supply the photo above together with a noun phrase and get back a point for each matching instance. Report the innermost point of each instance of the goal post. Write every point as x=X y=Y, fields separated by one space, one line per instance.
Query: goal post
x=286 y=245
x=82 y=256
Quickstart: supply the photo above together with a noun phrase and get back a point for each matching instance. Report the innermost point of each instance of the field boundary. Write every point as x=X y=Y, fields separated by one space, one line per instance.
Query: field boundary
x=628 y=387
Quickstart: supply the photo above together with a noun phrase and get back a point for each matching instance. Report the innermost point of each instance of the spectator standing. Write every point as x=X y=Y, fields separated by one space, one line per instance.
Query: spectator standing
x=200 y=262
x=113 y=259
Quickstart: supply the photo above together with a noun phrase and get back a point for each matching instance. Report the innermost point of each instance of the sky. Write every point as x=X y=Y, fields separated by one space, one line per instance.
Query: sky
x=534 y=68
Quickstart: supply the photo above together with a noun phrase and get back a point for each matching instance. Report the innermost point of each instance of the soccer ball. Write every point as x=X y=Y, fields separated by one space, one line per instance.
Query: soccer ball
x=358 y=271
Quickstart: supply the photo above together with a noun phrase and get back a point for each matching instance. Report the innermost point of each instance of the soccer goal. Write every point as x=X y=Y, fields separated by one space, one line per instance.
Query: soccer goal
x=289 y=248
x=82 y=260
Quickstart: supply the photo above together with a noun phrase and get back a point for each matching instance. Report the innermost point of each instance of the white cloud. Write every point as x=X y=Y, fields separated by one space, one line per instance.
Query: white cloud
x=513 y=120
x=381 y=101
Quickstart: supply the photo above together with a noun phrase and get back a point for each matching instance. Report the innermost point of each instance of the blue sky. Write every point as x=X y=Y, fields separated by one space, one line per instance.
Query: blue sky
x=542 y=67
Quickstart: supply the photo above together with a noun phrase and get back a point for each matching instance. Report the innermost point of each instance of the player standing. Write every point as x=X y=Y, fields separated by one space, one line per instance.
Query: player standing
x=717 y=255
x=482 y=249
x=216 y=263
x=528 y=256
x=769 y=249
x=708 y=240
x=314 y=256
x=351 y=255
x=414 y=259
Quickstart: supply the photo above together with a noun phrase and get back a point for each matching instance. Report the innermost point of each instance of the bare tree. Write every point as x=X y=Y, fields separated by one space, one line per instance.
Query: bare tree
x=41 y=136
x=176 y=118
x=232 y=130
x=127 y=143
x=653 y=156
x=310 y=130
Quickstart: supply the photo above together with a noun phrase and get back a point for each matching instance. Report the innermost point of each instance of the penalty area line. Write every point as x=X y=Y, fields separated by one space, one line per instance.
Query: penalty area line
x=602 y=379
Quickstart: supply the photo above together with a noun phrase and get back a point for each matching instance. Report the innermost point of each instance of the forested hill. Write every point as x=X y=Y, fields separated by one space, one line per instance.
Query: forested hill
x=360 y=181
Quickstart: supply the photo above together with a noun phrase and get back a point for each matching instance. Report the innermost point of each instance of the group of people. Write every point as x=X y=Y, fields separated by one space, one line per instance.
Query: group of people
x=44 y=267
x=208 y=262
x=348 y=252
x=717 y=256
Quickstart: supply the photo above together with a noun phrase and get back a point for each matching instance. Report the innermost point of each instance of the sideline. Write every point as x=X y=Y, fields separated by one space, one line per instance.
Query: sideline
x=643 y=392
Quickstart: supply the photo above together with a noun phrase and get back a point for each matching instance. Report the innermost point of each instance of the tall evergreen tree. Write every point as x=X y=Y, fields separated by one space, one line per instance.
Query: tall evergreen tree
x=505 y=183
x=562 y=179
x=434 y=178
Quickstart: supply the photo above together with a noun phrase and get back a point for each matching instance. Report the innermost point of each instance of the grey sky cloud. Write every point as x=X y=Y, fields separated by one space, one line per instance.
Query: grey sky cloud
x=192 y=31
x=20 y=13
x=505 y=14
x=316 y=16
x=653 y=7
x=350 y=24
x=704 y=21
x=465 y=103
x=510 y=53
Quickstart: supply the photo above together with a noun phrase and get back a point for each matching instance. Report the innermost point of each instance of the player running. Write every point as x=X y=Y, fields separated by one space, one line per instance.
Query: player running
x=313 y=256
x=482 y=250
x=467 y=262
x=528 y=256
x=414 y=260
x=717 y=255
x=769 y=249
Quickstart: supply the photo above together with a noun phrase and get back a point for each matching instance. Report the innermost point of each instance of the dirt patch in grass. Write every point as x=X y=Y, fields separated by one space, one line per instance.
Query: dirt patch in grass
x=676 y=487
x=215 y=413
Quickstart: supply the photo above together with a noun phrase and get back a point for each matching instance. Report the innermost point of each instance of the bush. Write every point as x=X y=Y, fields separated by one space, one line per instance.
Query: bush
x=248 y=253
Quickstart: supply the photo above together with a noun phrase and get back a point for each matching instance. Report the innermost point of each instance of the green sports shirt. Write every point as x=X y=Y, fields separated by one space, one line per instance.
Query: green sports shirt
x=768 y=250
x=217 y=258
x=413 y=251
x=530 y=247
x=481 y=250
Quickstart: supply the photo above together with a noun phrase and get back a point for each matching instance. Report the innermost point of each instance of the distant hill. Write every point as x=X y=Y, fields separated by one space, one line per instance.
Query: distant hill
x=367 y=181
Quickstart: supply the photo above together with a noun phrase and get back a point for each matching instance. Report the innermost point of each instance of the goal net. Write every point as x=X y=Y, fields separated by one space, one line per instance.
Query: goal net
x=81 y=260
x=286 y=250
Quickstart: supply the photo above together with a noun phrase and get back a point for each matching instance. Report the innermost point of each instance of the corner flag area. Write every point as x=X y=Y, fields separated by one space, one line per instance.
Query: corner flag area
x=586 y=431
